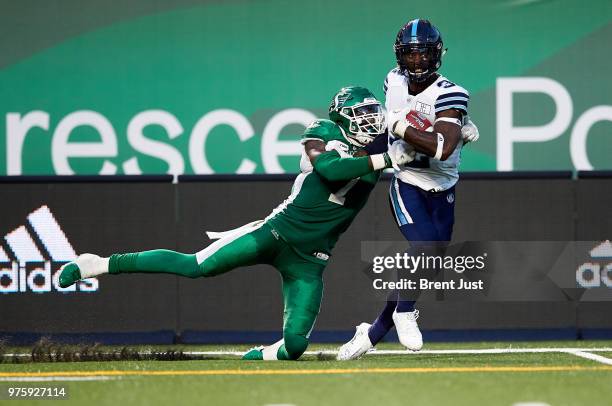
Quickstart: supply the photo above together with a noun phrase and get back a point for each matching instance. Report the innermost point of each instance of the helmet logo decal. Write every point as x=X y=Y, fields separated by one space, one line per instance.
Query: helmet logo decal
x=314 y=124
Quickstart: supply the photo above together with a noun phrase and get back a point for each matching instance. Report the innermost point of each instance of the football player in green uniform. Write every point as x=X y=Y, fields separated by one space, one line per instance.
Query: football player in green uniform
x=298 y=236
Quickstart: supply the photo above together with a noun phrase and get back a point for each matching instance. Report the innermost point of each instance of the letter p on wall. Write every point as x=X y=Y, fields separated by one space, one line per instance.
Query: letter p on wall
x=508 y=134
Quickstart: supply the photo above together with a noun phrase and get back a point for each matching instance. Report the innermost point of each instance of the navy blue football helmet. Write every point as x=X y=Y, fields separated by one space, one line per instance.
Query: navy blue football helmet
x=418 y=50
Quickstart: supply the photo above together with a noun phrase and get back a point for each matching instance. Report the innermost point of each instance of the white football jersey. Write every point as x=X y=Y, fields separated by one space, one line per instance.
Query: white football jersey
x=426 y=172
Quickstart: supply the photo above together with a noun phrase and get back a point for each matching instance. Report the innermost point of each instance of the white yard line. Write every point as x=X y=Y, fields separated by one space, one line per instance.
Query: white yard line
x=592 y=357
x=407 y=352
x=489 y=351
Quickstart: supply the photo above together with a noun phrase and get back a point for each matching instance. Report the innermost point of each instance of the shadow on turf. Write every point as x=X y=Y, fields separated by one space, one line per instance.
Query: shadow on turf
x=46 y=350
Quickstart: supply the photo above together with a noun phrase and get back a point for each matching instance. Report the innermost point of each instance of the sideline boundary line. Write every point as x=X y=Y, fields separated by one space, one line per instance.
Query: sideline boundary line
x=57 y=378
x=572 y=351
x=331 y=371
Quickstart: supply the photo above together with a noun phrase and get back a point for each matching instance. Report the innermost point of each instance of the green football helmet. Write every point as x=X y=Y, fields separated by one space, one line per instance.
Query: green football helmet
x=358 y=113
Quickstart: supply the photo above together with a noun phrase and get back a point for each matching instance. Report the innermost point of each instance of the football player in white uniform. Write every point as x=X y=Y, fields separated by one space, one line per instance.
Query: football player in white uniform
x=430 y=113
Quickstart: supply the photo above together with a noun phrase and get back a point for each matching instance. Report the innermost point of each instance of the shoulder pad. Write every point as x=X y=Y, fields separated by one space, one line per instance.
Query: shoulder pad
x=393 y=78
x=451 y=96
x=321 y=129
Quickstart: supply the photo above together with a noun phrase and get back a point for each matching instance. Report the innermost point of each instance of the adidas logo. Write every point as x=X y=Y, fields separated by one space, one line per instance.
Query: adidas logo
x=603 y=250
x=29 y=253
x=593 y=274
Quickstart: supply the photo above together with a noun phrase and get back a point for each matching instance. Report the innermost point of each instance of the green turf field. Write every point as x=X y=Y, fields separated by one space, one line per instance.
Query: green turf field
x=553 y=378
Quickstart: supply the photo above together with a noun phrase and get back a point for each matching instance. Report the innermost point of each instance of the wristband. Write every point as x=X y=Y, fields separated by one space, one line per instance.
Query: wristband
x=399 y=128
x=440 y=147
x=380 y=161
x=449 y=120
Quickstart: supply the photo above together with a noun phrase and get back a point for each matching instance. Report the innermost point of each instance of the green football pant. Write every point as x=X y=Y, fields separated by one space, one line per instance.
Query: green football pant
x=302 y=279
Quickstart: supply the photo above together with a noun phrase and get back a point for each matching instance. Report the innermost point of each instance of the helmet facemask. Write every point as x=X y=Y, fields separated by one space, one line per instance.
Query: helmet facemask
x=365 y=120
x=418 y=50
x=419 y=61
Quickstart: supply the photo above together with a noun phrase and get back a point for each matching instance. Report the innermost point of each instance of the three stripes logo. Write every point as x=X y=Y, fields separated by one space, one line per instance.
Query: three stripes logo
x=598 y=272
x=29 y=253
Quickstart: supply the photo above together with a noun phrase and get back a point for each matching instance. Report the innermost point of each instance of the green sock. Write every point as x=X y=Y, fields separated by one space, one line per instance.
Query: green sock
x=282 y=354
x=155 y=261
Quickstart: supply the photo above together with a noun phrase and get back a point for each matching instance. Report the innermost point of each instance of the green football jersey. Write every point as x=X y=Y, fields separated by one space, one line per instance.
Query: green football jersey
x=312 y=218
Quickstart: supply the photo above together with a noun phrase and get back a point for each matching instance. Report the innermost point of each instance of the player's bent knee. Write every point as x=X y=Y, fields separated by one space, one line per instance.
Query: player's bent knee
x=295 y=345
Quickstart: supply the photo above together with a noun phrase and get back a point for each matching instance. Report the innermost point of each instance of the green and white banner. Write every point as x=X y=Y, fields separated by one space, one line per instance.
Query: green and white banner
x=228 y=87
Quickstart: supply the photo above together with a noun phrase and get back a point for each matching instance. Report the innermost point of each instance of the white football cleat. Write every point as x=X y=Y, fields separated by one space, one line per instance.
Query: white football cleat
x=92 y=265
x=83 y=267
x=359 y=344
x=408 y=329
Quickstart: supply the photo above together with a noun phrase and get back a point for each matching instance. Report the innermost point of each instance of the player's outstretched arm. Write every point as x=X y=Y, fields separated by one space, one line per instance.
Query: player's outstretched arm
x=331 y=166
x=438 y=144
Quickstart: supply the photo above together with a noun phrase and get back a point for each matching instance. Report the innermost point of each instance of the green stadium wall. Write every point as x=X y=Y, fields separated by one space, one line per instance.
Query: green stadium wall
x=203 y=87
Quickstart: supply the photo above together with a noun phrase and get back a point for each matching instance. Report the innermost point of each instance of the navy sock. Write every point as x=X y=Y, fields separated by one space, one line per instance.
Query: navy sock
x=404 y=306
x=383 y=322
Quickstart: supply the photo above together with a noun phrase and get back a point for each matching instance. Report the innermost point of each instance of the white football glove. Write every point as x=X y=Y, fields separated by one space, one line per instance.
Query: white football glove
x=397 y=122
x=469 y=131
x=401 y=153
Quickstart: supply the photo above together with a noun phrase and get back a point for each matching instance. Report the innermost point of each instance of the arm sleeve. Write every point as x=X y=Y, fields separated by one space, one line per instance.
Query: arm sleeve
x=334 y=168
x=379 y=145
